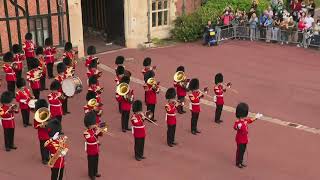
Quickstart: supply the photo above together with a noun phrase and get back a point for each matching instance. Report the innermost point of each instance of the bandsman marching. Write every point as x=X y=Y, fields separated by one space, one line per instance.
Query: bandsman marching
x=18 y=58
x=34 y=76
x=93 y=105
x=119 y=62
x=138 y=130
x=70 y=53
x=219 y=89
x=29 y=47
x=171 y=116
x=50 y=53
x=195 y=97
x=180 y=83
x=61 y=68
x=91 y=51
x=95 y=88
x=9 y=71
x=151 y=88
x=42 y=66
x=55 y=99
x=23 y=96
x=147 y=66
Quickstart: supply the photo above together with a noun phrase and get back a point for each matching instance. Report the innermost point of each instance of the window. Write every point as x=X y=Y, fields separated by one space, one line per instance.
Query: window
x=160 y=13
x=36 y=27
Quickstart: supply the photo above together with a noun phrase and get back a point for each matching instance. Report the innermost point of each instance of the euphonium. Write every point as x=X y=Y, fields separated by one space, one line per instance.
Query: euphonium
x=154 y=83
x=123 y=89
x=42 y=115
x=179 y=76
x=95 y=104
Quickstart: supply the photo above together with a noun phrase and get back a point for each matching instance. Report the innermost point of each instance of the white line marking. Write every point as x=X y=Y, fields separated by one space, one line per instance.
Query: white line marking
x=229 y=108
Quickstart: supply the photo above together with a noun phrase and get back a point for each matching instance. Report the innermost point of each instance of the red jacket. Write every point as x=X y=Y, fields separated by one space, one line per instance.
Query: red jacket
x=96 y=89
x=146 y=69
x=138 y=128
x=43 y=66
x=10 y=74
x=60 y=78
x=87 y=109
x=181 y=91
x=29 y=48
x=91 y=144
x=242 y=130
x=195 y=97
x=218 y=90
x=23 y=97
x=7 y=118
x=171 y=113
x=301 y=25
x=89 y=60
x=151 y=94
x=125 y=102
x=49 y=54
x=93 y=72
x=71 y=55
x=295 y=6
x=18 y=59
x=52 y=146
x=55 y=104
x=34 y=83
x=42 y=132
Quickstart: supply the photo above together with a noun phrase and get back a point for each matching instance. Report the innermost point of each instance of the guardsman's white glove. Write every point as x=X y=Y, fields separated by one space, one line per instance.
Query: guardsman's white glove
x=239 y=126
x=55 y=136
x=258 y=116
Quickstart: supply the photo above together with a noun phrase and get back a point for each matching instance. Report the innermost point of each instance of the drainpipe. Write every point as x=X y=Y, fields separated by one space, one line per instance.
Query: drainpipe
x=149 y=18
x=183 y=7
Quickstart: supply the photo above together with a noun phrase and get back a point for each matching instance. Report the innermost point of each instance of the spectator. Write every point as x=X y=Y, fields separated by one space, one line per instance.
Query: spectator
x=263 y=19
x=206 y=33
x=315 y=40
x=275 y=28
x=226 y=18
x=309 y=21
x=235 y=23
x=301 y=30
x=270 y=12
x=311 y=7
x=253 y=22
x=295 y=9
x=284 y=30
x=268 y=24
x=291 y=28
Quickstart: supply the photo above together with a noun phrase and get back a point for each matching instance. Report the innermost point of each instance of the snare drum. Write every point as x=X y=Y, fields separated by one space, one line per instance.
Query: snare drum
x=72 y=86
x=32 y=103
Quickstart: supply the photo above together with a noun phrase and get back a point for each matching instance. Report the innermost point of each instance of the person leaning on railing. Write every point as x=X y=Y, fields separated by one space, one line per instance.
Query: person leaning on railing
x=275 y=28
x=284 y=30
x=301 y=30
x=291 y=29
x=262 y=28
x=268 y=24
x=253 y=22
x=316 y=34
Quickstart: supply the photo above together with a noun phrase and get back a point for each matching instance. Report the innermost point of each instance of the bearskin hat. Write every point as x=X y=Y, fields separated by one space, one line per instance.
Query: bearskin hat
x=20 y=82
x=41 y=103
x=8 y=57
x=120 y=70
x=48 y=42
x=28 y=36
x=91 y=50
x=125 y=79
x=93 y=80
x=91 y=95
x=171 y=93
x=61 y=67
x=6 y=97
x=90 y=119
x=242 y=110
x=68 y=46
x=194 y=84
x=34 y=63
x=53 y=126
x=16 y=48
x=180 y=68
x=137 y=106
x=67 y=61
x=218 y=78
x=119 y=60
x=55 y=85
x=93 y=64
x=147 y=61
x=39 y=50
x=147 y=75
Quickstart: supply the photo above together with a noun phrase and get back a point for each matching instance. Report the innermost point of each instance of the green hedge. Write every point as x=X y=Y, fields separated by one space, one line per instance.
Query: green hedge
x=190 y=27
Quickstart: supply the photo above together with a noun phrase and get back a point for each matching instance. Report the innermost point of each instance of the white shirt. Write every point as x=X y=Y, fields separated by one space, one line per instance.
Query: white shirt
x=309 y=21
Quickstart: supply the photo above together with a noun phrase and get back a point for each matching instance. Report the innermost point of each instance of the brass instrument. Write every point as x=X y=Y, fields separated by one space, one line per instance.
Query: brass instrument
x=42 y=115
x=62 y=149
x=14 y=65
x=154 y=83
x=181 y=78
x=37 y=75
x=123 y=89
x=99 y=90
x=147 y=116
x=94 y=103
x=70 y=71
x=12 y=108
x=97 y=59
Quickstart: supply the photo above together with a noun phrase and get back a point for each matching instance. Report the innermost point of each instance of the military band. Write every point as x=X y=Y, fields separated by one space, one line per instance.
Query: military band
x=93 y=105
x=61 y=69
x=55 y=99
x=91 y=51
x=70 y=53
x=42 y=67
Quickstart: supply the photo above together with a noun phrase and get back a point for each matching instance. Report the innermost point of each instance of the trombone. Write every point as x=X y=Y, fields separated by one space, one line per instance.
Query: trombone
x=147 y=116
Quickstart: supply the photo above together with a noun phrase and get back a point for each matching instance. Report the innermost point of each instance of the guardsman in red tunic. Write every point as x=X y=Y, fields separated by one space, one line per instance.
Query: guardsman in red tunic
x=195 y=97
x=125 y=99
x=34 y=76
x=147 y=66
x=54 y=99
x=10 y=73
x=91 y=135
x=70 y=53
x=181 y=89
x=91 y=51
x=93 y=70
x=69 y=68
x=28 y=47
x=119 y=62
x=171 y=116
x=241 y=126
x=61 y=69
x=53 y=145
x=94 y=87
x=219 y=89
x=119 y=74
x=40 y=123
x=18 y=58
x=138 y=130
x=23 y=97
x=94 y=105
x=7 y=111
x=151 y=88
x=49 y=55
x=42 y=67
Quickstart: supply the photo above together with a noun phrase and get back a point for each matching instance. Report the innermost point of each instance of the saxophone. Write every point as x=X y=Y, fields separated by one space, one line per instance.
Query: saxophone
x=62 y=149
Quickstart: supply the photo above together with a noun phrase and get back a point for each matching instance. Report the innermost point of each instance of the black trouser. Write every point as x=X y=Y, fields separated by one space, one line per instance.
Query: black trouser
x=57 y=173
x=194 y=120
x=19 y=74
x=11 y=86
x=171 y=133
x=241 y=148
x=29 y=60
x=36 y=93
x=93 y=162
x=25 y=116
x=218 y=112
x=50 y=70
x=65 y=105
x=119 y=106
x=138 y=147
x=180 y=100
x=125 y=119
x=44 y=152
x=43 y=82
x=151 y=107
x=8 y=137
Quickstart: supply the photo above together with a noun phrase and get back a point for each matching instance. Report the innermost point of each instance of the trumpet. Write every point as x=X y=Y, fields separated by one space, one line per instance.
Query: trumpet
x=99 y=90
x=37 y=75
x=102 y=128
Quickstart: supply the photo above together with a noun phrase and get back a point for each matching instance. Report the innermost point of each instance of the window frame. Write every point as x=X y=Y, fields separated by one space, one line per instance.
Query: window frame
x=156 y=12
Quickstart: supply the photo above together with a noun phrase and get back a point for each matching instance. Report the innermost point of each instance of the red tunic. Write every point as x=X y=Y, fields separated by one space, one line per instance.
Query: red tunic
x=53 y=146
x=55 y=104
x=49 y=54
x=60 y=78
x=91 y=144
x=95 y=89
x=71 y=55
x=171 y=114
x=150 y=93
x=42 y=132
x=23 y=97
x=181 y=91
x=34 y=83
x=18 y=58
x=29 y=48
x=125 y=104
x=93 y=72
x=138 y=128
x=7 y=118
x=218 y=90
x=146 y=69
x=43 y=66
x=87 y=109
x=242 y=130
x=195 y=97
x=89 y=60
x=10 y=74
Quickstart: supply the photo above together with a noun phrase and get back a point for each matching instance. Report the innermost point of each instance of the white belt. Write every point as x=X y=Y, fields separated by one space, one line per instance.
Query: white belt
x=7 y=119
x=219 y=95
x=49 y=55
x=195 y=104
x=171 y=114
x=91 y=143
x=54 y=105
x=11 y=73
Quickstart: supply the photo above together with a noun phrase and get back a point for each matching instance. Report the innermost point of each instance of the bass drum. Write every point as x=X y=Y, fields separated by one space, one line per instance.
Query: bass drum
x=72 y=86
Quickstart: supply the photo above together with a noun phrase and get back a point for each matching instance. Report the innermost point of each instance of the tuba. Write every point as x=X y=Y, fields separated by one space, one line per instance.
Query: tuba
x=95 y=104
x=154 y=84
x=179 y=76
x=42 y=115
x=123 y=89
